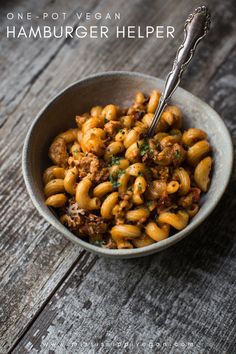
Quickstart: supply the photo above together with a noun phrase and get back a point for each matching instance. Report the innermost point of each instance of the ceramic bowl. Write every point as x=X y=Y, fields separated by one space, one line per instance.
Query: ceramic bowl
x=119 y=88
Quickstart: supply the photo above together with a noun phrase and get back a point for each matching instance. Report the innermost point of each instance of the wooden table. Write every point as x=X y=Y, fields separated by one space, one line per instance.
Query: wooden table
x=58 y=298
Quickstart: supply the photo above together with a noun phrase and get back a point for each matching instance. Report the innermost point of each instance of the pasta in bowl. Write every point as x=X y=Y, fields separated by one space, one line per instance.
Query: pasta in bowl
x=115 y=188
x=119 y=89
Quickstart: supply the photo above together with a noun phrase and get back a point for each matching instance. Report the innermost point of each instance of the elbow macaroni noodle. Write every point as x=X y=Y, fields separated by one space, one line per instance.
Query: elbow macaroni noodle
x=116 y=188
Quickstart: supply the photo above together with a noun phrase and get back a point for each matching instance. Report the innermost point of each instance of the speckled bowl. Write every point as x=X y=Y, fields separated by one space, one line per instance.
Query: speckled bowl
x=119 y=88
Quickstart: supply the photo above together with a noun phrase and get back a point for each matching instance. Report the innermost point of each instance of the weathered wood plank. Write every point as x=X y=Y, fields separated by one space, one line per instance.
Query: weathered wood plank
x=36 y=260
x=27 y=271
x=182 y=297
x=32 y=56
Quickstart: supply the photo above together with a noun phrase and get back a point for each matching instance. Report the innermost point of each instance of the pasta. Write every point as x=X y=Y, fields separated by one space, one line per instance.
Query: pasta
x=115 y=188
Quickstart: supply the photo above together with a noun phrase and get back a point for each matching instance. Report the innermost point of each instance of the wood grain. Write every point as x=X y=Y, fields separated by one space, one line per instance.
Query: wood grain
x=56 y=297
x=183 y=296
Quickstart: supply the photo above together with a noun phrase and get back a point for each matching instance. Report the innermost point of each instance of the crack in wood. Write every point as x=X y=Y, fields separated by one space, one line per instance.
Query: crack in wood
x=25 y=330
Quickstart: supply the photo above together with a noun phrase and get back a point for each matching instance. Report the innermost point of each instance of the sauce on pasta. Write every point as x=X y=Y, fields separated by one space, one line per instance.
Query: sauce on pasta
x=115 y=188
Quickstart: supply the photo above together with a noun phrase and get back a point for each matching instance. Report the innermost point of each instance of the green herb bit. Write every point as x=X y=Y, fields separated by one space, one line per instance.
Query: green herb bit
x=120 y=173
x=115 y=160
x=144 y=148
x=151 y=153
x=149 y=203
x=177 y=154
x=114 y=179
x=116 y=184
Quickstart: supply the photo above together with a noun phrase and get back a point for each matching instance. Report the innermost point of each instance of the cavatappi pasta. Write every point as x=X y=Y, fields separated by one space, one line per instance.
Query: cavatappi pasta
x=117 y=189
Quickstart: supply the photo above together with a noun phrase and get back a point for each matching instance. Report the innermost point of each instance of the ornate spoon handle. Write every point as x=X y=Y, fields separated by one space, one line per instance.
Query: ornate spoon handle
x=196 y=27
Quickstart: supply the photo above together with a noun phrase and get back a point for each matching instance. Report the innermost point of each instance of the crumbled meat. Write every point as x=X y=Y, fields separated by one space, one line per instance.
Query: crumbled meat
x=164 y=202
x=192 y=197
x=94 y=225
x=137 y=110
x=169 y=155
x=112 y=127
x=82 y=221
x=119 y=211
x=58 y=152
x=196 y=194
x=110 y=244
x=139 y=114
x=161 y=172
x=91 y=165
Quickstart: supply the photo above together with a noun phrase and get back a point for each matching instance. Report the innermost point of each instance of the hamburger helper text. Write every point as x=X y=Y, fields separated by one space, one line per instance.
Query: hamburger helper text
x=90 y=32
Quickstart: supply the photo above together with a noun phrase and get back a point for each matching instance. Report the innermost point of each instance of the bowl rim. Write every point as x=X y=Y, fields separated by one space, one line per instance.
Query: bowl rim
x=120 y=253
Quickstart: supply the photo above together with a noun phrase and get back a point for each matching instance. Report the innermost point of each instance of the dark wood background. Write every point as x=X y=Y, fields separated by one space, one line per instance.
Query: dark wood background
x=57 y=298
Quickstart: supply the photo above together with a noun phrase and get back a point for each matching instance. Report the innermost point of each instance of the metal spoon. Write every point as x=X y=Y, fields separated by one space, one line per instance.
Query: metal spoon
x=195 y=28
